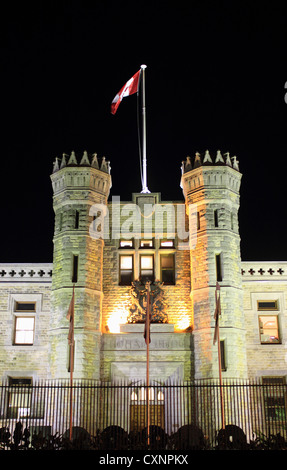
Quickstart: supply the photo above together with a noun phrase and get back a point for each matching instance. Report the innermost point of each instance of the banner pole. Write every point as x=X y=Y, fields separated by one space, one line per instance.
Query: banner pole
x=147 y=361
x=144 y=183
x=72 y=343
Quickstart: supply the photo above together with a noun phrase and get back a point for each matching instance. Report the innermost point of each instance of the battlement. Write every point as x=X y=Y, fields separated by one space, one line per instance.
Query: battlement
x=85 y=161
x=218 y=160
x=89 y=174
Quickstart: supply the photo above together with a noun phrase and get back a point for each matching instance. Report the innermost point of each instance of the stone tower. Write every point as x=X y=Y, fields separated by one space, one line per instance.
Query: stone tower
x=79 y=190
x=211 y=190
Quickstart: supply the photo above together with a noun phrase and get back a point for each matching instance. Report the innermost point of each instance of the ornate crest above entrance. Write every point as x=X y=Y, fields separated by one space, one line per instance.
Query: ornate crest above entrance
x=137 y=311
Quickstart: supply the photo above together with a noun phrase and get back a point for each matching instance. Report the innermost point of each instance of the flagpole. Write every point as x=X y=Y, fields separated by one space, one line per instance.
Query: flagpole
x=220 y=379
x=72 y=368
x=147 y=360
x=144 y=182
x=217 y=338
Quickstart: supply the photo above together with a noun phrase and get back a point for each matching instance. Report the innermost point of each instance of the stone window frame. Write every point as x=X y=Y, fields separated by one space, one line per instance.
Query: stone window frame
x=15 y=313
x=156 y=250
x=19 y=330
x=162 y=268
x=125 y=254
x=279 y=313
x=269 y=315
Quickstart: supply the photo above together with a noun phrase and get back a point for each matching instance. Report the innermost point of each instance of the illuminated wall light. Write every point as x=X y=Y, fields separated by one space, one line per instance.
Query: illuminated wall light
x=116 y=319
x=183 y=323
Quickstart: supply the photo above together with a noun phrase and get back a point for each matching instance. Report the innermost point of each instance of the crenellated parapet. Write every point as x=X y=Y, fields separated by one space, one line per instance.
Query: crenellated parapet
x=86 y=160
x=201 y=176
x=73 y=177
x=208 y=160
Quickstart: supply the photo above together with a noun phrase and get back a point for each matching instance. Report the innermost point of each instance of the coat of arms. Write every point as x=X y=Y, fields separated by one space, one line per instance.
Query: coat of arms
x=137 y=310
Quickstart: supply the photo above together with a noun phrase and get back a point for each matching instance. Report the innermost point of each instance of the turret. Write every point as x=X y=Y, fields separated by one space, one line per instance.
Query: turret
x=211 y=188
x=78 y=261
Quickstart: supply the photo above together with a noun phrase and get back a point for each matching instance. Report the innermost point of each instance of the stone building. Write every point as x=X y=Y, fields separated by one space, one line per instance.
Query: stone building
x=104 y=247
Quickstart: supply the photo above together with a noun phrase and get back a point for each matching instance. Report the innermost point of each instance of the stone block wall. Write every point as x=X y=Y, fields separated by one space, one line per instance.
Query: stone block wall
x=30 y=283
x=117 y=299
x=265 y=281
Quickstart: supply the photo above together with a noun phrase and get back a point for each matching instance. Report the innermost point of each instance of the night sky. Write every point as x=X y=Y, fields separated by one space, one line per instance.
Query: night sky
x=215 y=79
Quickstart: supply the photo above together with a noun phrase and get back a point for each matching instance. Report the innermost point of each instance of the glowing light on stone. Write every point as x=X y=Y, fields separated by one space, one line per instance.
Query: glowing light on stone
x=116 y=319
x=183 y=323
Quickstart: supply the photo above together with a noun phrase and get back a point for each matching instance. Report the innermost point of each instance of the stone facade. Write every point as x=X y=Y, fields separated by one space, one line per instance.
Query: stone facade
x=25 y=283
x=191 y=244
x=212 y=191
x=265 y=281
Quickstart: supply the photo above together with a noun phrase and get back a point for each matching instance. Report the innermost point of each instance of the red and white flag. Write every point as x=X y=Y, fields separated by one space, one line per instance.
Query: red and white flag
x=128 y=89
x=217 y=312
x=70 y=317
x=148 y=318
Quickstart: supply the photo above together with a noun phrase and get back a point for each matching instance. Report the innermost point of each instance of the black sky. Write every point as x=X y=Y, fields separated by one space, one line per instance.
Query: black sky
x=215 y=79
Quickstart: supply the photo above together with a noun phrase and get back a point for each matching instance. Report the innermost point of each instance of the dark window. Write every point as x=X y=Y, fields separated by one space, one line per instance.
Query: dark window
x=222 y=355
x=216 y=218
x=218 y=267
x=275 y=399
x=146 y=244
x=60 y=221
x=167 y=269
x=77 y=218
x=75 y=268
x=267 y=305
x=25 y=306
x=198 y=221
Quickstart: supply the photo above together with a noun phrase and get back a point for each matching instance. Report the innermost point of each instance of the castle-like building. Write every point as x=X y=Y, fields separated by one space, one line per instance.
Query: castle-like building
x=108 y=249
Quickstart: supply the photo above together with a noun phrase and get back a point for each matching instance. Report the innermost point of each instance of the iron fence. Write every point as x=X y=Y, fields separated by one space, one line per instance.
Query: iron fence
x=131 y=416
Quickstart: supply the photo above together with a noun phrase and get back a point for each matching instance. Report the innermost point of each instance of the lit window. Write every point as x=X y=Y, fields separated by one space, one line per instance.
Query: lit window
x=126 y=270
x=126 y=244
x=143 y=393
x=19 y=398
x=167 y=243
x=167 y=269
x=146 y=268
x=146 y=243
x=268 y=326
x=24 y=330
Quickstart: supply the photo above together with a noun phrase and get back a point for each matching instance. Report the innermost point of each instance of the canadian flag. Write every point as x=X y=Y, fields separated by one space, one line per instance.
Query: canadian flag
x=128 y=89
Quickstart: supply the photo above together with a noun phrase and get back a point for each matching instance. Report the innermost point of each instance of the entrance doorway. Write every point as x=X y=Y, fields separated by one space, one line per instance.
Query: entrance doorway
x=138 y=408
